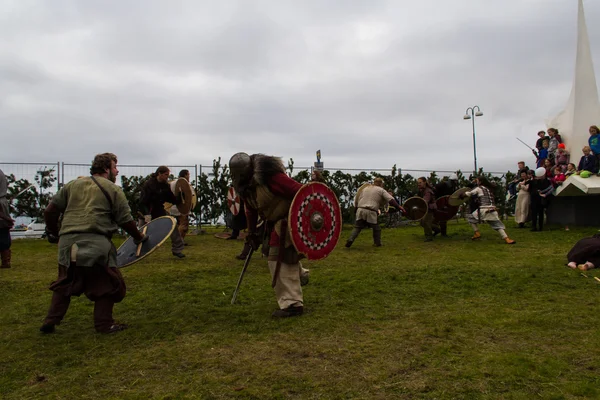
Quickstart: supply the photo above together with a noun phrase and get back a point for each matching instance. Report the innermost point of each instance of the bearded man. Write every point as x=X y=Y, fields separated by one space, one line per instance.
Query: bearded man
x=155 y=193
x=93 y=209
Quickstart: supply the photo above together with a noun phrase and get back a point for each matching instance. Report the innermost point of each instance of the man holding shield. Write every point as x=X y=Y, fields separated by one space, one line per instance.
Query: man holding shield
x=155 y=193
x=93 y=209
x=267 y=191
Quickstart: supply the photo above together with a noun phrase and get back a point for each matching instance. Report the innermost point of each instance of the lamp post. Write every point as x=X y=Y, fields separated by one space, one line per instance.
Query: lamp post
x=474 y=114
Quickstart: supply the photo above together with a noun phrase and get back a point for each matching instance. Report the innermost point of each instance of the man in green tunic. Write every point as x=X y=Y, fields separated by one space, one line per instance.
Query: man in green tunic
x=93 y=208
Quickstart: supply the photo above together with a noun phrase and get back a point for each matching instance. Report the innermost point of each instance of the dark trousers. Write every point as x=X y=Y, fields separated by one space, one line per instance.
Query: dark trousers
x=361 y=224
x=102 y=285
x=103 y=311
x=443 y=227
x=537 y=214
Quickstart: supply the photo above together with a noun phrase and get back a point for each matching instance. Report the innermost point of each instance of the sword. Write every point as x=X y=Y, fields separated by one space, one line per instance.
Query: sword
x=21 y=192
x=530 y=148
x=237 y=288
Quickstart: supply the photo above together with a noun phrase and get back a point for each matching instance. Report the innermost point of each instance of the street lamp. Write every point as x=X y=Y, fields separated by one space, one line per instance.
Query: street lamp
x=474 y=114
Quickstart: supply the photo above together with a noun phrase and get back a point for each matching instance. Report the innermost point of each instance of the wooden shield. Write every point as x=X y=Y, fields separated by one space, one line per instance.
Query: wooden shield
x=315 y=221
x=445 y=211
x=233 y=201
x=183 y=190
x=455 y=199
x=416 y=208
x=158 y=230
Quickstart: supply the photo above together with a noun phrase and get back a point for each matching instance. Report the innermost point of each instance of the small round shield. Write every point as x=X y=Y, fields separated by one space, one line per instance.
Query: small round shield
x=416 y=208
x=158 y=230
x=455 y=199
x=184 y=191
x=445 y=211
x=233 y=201
x=315 y=221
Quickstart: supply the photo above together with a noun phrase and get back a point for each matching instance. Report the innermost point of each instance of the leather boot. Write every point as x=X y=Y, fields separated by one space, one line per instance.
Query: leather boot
x=5 y=254
x=377 y=237
x=244 y=253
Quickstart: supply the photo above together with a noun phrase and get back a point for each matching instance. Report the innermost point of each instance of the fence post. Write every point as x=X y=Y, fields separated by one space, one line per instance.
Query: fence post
x=57 y=175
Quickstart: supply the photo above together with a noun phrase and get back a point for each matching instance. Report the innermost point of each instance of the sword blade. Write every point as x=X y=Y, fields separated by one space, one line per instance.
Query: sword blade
x=237 y=288
x=531 y=148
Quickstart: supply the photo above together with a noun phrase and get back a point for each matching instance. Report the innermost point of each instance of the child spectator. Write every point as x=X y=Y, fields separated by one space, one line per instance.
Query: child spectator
x=548 y=165
x=594 y=142
x=553 y=143
x=562 y=157
x=571 y=169
x=558 y=177
x=588 y=162
x=542 y=154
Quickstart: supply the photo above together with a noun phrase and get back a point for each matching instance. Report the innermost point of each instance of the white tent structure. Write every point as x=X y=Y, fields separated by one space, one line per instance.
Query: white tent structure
x=583 y=107
x=576 y=200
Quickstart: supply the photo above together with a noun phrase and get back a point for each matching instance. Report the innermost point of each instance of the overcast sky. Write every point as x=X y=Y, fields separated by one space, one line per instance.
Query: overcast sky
x=370 y=83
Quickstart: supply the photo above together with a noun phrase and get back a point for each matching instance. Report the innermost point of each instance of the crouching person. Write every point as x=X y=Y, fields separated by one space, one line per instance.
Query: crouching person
x=93 y=208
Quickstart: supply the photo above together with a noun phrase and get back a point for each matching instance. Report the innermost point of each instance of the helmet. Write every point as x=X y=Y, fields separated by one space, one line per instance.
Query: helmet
x=541 y=171
x=561 y=146
x=453 y=177
x=240 y=166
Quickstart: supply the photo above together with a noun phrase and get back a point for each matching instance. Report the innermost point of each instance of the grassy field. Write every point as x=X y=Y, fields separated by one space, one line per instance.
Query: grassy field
x=449 y=319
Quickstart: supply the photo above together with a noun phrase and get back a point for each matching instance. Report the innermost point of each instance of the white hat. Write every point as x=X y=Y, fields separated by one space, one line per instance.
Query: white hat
x=541 y=171
x=453 y=177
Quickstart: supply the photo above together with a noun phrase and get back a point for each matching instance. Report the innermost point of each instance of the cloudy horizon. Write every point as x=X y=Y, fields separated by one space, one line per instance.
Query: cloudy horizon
x=370 y=84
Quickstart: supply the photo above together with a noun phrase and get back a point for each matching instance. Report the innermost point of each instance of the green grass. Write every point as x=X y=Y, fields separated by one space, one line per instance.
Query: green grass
x=449 y=319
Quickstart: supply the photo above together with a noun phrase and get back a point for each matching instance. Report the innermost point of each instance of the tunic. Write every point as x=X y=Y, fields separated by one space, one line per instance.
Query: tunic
x=371 y=199
x=4 y=209
x=153 y=197
x=89 y=222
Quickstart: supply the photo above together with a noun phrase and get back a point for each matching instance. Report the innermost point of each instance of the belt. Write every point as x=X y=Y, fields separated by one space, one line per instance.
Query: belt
x=367 y=208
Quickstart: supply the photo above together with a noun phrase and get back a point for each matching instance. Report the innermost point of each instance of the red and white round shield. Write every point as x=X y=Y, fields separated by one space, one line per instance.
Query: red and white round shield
x=233 y=201
x=315 y=221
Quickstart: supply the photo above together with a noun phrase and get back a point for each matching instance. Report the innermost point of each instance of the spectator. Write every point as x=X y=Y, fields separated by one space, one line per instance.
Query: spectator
x=541 y=137
x=562 y=157
x=588 y=162
x=594 y=142
x=553 y=143
x=548 y=165
x=512 y=187
x=558 y=177
x=523 y=200
x=537 y=187
x=542 y=154
x=571 y=169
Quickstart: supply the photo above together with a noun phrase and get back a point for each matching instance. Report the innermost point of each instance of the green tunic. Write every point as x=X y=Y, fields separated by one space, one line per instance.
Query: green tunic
x=89 y=223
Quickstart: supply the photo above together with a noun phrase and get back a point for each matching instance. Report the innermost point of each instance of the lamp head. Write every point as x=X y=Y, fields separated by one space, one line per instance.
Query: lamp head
x=467 y=116
x=478 y=114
